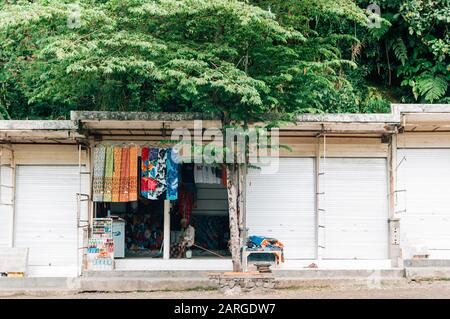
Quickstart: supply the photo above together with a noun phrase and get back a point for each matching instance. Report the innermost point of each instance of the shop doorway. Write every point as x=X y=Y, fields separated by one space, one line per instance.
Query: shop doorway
x=140 y=230
x=209 y=220
x=201 y=206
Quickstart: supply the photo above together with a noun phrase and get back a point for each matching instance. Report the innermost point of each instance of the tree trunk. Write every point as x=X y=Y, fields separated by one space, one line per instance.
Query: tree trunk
x=232 y=189
x=240 y=200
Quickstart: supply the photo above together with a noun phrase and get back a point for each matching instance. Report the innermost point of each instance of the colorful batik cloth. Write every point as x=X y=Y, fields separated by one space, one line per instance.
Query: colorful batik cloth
x=124 y=175
x=145 y=153
x=116 y=174
x=157 y=172
x=109 y=167
x=98 y=173
x=172 y=174
x=132 y=195
x=149 y=182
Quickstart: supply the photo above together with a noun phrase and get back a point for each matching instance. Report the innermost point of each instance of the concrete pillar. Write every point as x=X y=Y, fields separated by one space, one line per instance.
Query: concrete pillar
x=166 y=242
x=320 y=197
x=395 y=253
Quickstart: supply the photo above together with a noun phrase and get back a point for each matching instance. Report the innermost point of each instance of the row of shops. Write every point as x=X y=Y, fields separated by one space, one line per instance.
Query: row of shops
x=353 y=191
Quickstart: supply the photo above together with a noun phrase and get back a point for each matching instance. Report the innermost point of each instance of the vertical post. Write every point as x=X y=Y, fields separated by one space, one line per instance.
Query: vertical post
x=320 y=196
x=317 y=200
x=394 y=222
x=79 y=265
x=166 y=249
x=244 y=234
x=13 y=194
x=392 y=162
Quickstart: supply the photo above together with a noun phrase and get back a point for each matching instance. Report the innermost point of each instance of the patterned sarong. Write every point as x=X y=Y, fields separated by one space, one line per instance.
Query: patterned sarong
x=145 y=152
x=98 y=173
x=152 y=182
x=109 y=167
x=158 y=172
x=172 y=175
x=124 y=175
x=116 y=174
x=133 y=174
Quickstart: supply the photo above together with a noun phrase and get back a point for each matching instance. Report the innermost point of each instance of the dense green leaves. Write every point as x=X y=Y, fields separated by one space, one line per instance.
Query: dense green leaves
x=243 y=58
x=411 y=57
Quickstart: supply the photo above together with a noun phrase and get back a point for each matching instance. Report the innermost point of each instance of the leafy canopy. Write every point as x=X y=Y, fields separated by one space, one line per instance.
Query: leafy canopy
x=241 y=58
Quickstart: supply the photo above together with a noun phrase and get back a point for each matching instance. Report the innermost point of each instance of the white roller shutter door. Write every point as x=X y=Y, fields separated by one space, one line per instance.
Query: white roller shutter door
x=282 y=205
x=6 y=208
x=356 y=216
x=425 y=224
x=45 y=218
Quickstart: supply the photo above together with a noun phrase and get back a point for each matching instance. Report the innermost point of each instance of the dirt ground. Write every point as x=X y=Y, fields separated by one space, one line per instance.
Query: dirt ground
x=404 y=289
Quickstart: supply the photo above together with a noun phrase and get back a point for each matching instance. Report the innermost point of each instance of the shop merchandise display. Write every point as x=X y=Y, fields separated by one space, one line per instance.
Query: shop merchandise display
x=108 y=175
x=115 y=173
x=144 y=234
x=100 y=251
x=172 y=175
x=261 y=243
x=124 y=182
x=133 y=182
x=99 y=155
x=115 y=196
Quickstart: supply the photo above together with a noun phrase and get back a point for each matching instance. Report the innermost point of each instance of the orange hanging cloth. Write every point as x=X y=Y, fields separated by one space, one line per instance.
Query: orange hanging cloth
x=124 y=175
x=133 y=188
x=116 y=174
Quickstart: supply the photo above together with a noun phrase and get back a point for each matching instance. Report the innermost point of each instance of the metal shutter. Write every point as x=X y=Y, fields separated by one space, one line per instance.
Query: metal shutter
x=356 y=216
x=282 y=205
x=45 y=218
x=425 y=223
x=6 y=208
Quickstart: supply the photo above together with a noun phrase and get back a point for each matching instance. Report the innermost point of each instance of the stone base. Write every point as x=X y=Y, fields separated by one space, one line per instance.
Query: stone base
x=237 y=282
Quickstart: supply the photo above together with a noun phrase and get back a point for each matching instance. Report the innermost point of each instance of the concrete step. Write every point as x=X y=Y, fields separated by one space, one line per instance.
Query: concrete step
x=125 y=281
x=426 y=263
x=334 y=274
x=46 y=283
x=427 y=273
x=125 y=284
x=146 y=274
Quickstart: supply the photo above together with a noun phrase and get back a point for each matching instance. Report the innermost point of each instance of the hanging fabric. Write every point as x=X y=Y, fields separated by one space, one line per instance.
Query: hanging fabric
x=186 y=203
x=133 y=173
x=172 y=174
x=152 y=182
x=207 y=174
x=124 y=175
x=224 y=175
x=158 y=172
x=116 y=174
x=109 y=167
x=145 y=153
x=98 y=173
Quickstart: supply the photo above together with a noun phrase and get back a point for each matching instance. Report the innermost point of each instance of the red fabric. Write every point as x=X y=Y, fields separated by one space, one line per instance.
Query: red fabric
x=185 y=204
x=224 y=175
x=152 y=183
x=144 y=169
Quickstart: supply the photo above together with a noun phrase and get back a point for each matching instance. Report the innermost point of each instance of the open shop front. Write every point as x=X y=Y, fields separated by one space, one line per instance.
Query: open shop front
x=149 y=207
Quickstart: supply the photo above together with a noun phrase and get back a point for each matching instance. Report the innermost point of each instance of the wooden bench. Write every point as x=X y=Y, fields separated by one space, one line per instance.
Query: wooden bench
x=247 y=252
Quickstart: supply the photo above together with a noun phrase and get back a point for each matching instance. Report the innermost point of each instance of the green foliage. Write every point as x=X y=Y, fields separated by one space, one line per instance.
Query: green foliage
x=411 y=57
x=431 y=87
x=242 y=58
x=400 y=50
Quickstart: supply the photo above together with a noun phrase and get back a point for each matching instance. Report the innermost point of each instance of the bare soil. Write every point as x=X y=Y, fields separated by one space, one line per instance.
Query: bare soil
x=395 y=290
